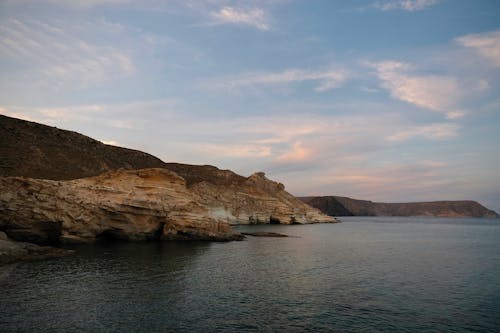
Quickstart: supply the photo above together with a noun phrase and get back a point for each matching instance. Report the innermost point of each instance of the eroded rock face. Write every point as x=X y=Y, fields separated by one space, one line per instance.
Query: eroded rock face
x=125 y=204
x=142 y=204
x=256 y=199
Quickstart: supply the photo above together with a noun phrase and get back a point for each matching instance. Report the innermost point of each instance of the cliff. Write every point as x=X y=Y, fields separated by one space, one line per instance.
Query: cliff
x=76 y=202
x=146 y=204
x=142 y=204
x=343 y=206
x=34 y=150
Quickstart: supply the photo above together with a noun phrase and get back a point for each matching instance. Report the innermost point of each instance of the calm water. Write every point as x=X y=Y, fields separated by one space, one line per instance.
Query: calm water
x=364 y=275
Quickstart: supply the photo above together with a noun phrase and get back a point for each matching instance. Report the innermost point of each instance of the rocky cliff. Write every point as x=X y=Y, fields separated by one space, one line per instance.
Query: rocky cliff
x=343 y=206
x=33 y=150
x=142 y=204
x=76 y=202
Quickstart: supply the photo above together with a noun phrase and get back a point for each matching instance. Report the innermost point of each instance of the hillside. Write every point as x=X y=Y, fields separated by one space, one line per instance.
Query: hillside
x=343 y=206
x=34 y=150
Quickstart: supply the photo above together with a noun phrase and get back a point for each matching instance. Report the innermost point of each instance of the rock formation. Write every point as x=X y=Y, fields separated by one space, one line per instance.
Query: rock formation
x=12 y=251
x=142 y=205
x=343 y=206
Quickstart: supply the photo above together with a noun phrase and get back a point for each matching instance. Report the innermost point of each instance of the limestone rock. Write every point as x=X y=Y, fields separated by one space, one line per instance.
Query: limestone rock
x=125 y=204
x=254 y=200
x=143 y=204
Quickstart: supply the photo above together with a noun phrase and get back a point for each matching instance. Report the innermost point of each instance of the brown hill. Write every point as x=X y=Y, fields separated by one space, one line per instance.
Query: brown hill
x=33 y=150
x=343 y=206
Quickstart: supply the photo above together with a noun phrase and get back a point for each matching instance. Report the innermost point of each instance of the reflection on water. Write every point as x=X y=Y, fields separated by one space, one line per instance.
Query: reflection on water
x=378 y=274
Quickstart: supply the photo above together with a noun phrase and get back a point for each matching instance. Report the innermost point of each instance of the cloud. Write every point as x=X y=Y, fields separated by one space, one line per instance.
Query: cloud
x=77 y=4
x=386 y=182
x=88 y=3
x=431 y=132
x=408 y=5
x=296 y=153
x=238 y=150
x=487 y=44
x=326 y=80
x=111 y=142
x=255 y=17
x=117 y=116
x=434 y=92
x=54 y=55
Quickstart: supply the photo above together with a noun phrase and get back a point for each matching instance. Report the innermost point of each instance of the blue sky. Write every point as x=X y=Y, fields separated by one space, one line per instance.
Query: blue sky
x=386 y=100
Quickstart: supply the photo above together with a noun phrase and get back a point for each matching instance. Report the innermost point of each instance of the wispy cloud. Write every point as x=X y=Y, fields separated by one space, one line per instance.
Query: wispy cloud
x=487 y=44
x=254 y=17
x=432 y=132
x=434 y=92
x=86 y=3
x=417 y=180
x=55 y=53
x=326 y=80
x=297 y=153
x=118 y=116
x=249 y=150
x=408 y=5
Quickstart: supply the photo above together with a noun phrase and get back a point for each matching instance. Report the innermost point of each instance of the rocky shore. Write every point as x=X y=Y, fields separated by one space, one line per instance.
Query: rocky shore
x=12 y=251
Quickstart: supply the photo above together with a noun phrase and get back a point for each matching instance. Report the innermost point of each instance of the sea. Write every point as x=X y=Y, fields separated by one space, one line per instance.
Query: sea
x=377 y=274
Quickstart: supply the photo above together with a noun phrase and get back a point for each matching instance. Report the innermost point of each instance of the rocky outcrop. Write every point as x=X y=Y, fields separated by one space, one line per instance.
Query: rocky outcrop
x=59 y=186
x=11 y=251
x=343 y=206
x=142 y=205
x=126 y=204
x=254 y=200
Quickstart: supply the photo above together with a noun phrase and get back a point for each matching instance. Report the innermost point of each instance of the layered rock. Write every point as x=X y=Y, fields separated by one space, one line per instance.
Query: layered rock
x=125 y=204
x=142 y=205
x=343 y=206
x=254 y=200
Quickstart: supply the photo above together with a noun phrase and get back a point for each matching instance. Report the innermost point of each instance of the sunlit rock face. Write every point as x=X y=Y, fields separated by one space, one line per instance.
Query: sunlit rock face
x=256 y=199
x=146 y=204
x=125 y=204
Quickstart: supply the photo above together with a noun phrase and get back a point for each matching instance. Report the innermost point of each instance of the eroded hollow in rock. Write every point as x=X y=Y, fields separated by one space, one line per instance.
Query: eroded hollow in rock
x=274 y=220
x=112 y=235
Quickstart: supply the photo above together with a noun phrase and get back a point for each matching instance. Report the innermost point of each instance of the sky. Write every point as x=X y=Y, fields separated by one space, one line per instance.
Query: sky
x=383 y=100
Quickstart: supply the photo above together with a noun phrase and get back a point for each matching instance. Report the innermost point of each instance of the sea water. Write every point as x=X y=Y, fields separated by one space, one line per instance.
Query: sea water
x=362 y=275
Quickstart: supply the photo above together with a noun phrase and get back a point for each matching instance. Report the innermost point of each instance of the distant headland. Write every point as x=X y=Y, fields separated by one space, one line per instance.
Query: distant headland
x=343 y=206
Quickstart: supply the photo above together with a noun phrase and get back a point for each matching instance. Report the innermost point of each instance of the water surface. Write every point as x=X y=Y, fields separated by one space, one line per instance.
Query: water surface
x=363 y=275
